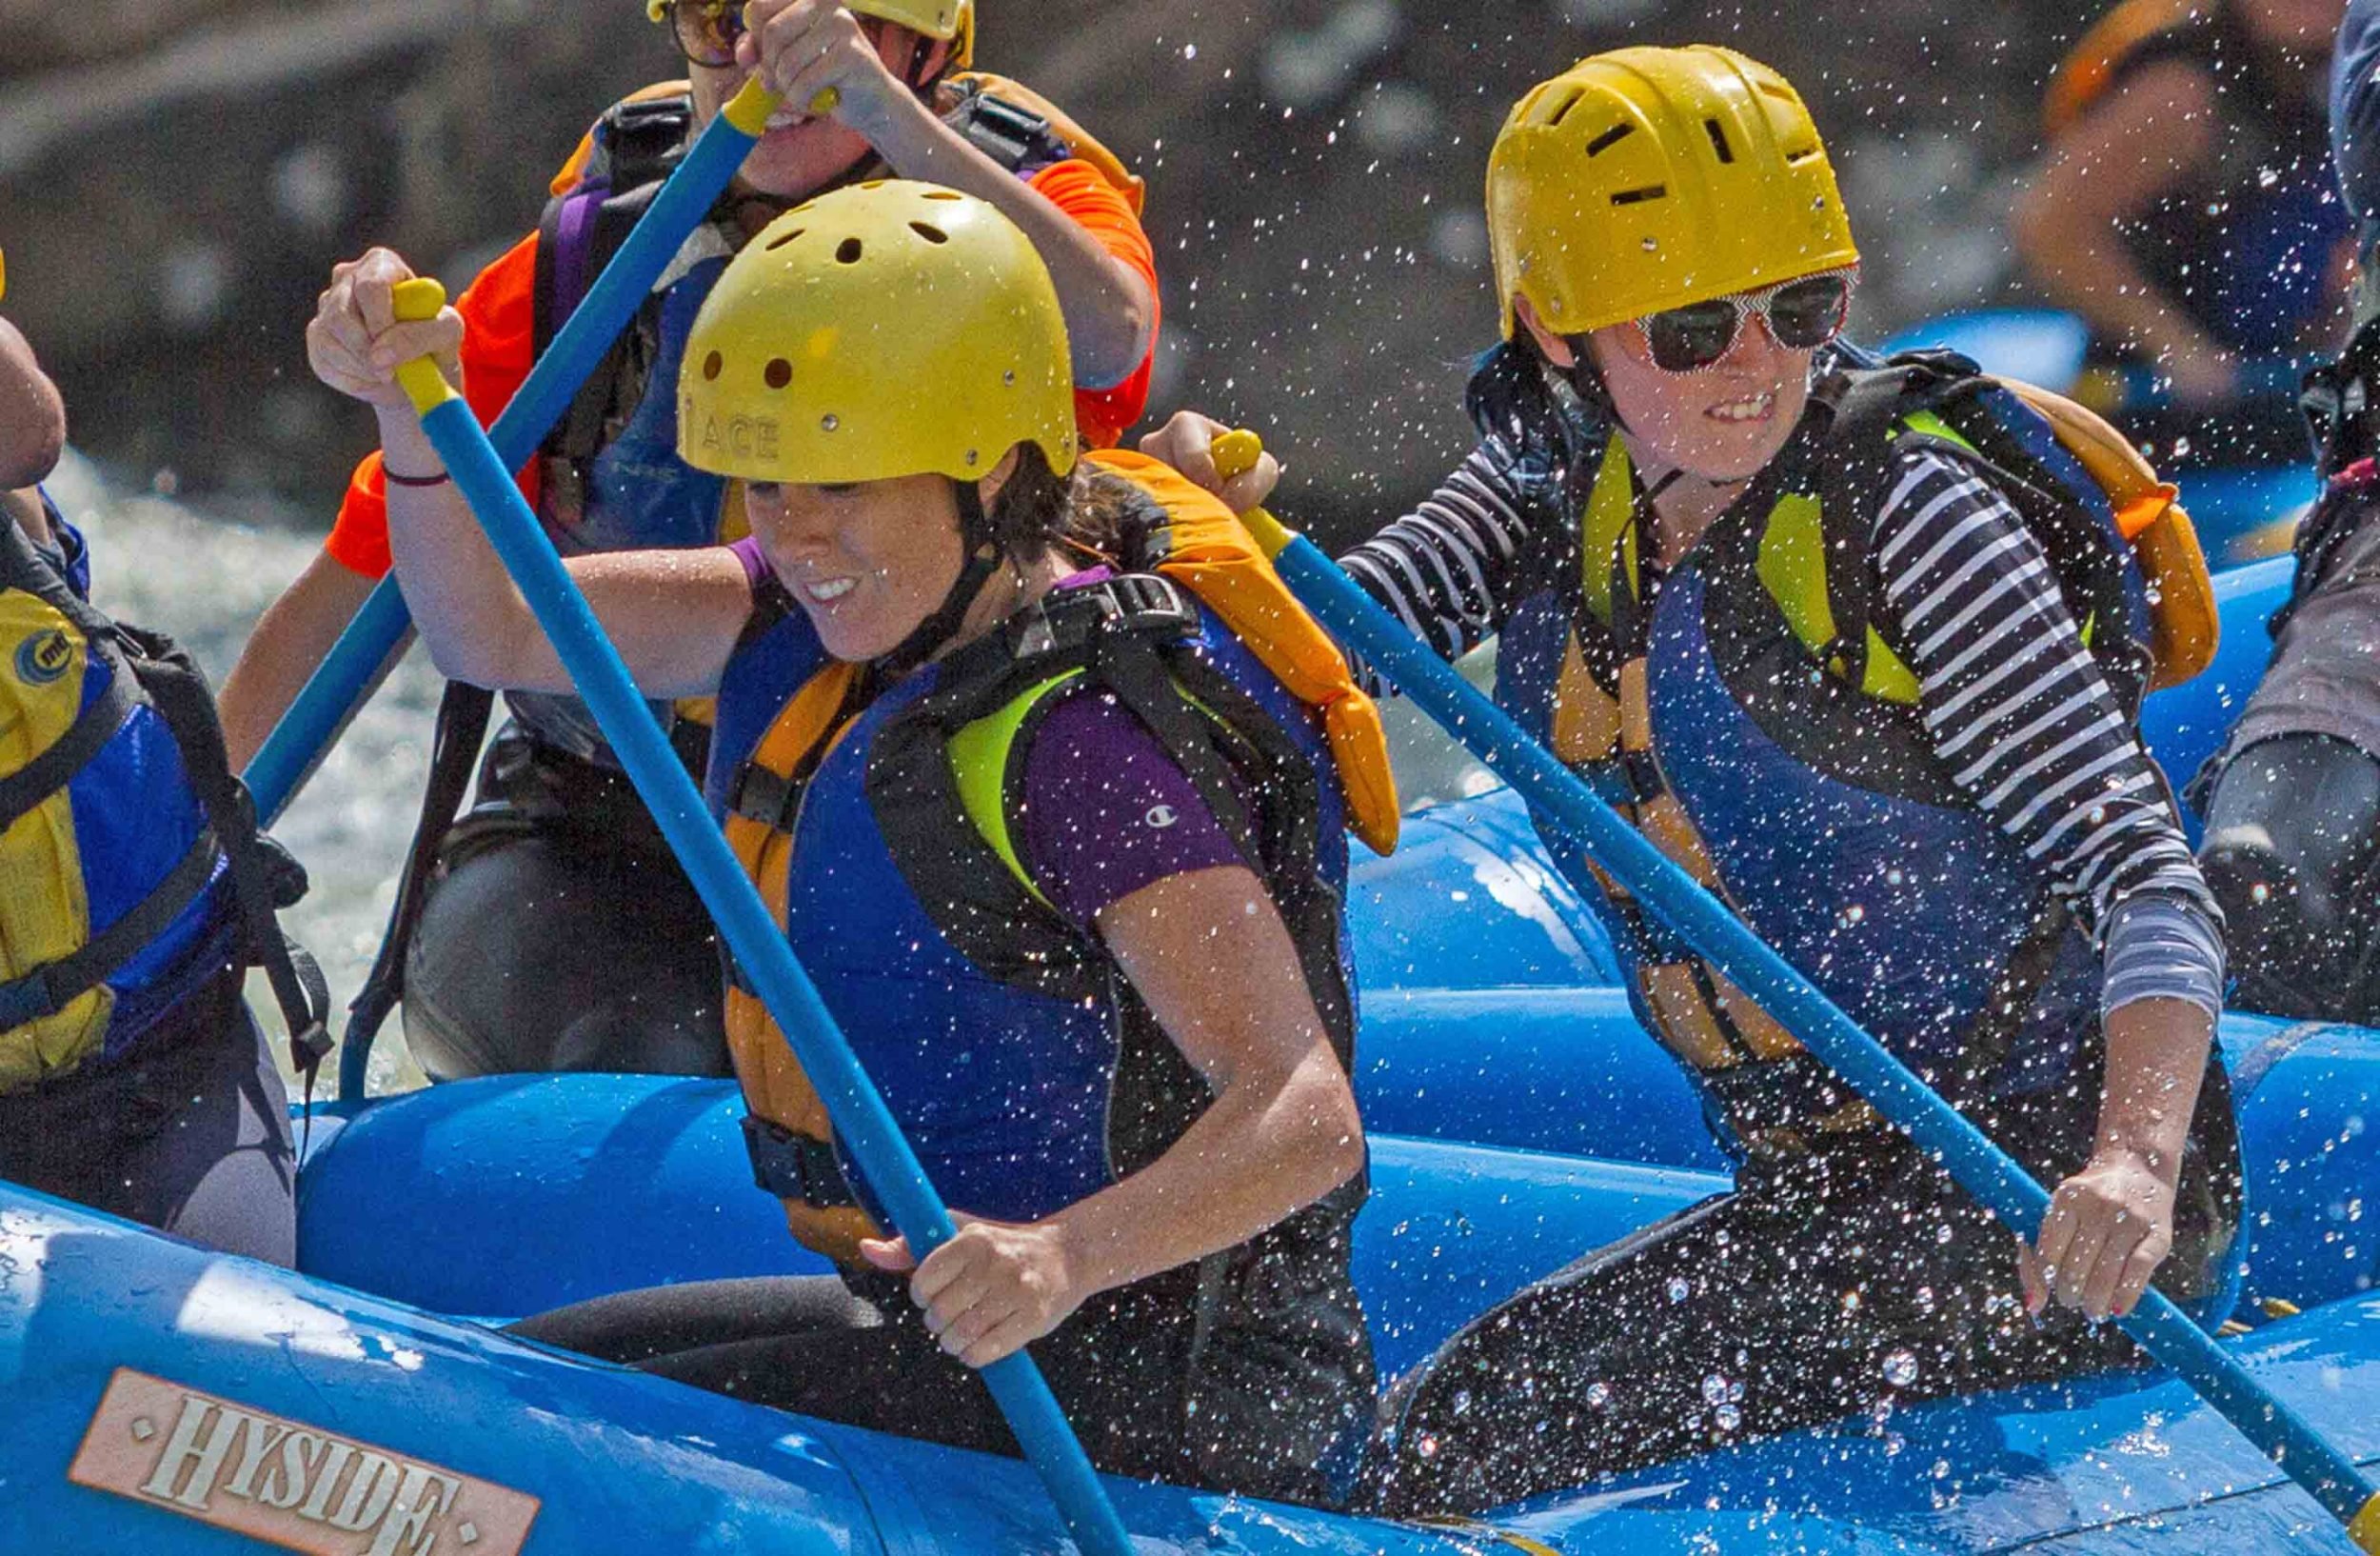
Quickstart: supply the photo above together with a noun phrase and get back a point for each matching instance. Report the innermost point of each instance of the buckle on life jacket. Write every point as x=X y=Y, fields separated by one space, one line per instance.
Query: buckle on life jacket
x=795 y=1166
x=1134 y=601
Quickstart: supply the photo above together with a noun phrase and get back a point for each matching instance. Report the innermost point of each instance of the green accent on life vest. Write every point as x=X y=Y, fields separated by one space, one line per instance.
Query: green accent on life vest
x=1610 y=532
x=1791 y=566
x=979 y=763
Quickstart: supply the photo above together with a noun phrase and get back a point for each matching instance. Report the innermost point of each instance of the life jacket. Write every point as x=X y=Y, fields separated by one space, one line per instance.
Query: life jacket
x=2244 y=244
x=1208 y=605
x=134 y=872
x=1752 y=721
x=1022 y=1066
x=610 y=476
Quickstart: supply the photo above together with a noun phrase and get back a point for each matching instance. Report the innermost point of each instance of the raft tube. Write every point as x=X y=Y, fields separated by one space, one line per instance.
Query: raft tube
x=167 y=1400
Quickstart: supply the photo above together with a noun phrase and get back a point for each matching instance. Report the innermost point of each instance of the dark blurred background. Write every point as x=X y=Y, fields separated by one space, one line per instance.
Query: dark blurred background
x=176 y=177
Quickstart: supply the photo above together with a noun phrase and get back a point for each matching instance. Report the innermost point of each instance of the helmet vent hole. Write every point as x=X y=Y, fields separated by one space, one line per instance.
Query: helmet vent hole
x=776 y=244
x=1610 y=138
x=945 y=194
x=1637 y=197
x=711 y=365
x=1719 y=140
x=848 y=252
x=931 y=234
x=1562 y=109
x=1799 y=155
x=1777 y=89
x=778 y=373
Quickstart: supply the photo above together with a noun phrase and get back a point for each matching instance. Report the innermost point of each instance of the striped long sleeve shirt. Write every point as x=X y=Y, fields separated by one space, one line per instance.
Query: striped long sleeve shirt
x=2015 y=708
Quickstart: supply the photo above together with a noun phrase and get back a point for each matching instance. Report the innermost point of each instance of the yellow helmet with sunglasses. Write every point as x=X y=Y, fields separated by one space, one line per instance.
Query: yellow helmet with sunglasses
x=951 y=19
x=1644 y=179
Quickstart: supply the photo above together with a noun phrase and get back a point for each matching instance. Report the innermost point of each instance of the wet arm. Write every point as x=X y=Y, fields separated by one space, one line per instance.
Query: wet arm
x=32 y=417
x=1109 y=307
x=1208 y=953
x=673 y=615
x=2019 y=714
x=288 y=644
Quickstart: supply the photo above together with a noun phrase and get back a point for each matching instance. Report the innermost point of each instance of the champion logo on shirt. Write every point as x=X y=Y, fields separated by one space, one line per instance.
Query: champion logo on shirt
x=1162 y=816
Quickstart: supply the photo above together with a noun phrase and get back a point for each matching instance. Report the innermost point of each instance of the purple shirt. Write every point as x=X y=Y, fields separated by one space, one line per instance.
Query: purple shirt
x=1105 y=810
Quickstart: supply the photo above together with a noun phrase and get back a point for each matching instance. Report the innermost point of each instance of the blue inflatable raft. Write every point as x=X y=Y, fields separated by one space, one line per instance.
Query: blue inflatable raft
x=167 y=1400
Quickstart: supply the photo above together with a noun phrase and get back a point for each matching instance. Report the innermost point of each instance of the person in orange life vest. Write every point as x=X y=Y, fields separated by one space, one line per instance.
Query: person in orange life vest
x=1120 y=1046
x=556 y=932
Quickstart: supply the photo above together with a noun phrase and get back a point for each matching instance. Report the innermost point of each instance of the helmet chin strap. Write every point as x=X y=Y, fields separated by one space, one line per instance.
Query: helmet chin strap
x=936 y=631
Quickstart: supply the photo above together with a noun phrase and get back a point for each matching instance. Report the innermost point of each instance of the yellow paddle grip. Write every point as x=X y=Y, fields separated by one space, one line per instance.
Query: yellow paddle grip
x=2365 y=1531
x=415 y=300
x=1235 y=455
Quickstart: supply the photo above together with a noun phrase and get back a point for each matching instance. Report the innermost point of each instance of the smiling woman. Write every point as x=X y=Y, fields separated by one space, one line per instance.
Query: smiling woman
x=1119 y=1047
x=1806 y=617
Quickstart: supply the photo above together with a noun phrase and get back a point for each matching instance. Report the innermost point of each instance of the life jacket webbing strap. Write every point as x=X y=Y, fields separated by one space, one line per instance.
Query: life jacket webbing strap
x=26 y=788
x=264 y=878
x=462 y=714
x=49 y=988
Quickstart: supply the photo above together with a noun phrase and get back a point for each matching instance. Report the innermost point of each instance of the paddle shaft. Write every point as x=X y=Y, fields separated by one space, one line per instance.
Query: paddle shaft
x=861 y=1121
x=1564 y=801
x=346 y=676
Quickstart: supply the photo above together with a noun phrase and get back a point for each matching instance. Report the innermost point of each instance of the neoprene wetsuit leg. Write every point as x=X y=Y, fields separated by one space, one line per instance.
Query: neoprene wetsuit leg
x=561 y=934
x=2293 y=853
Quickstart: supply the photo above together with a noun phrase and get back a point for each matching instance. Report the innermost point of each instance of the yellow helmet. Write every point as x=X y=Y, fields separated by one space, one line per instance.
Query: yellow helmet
x=884 y=330
x=952 y=19
x=1644 y=179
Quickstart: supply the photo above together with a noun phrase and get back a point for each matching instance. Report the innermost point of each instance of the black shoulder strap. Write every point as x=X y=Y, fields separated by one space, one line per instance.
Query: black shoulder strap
x=463 y=715
x=265 y=878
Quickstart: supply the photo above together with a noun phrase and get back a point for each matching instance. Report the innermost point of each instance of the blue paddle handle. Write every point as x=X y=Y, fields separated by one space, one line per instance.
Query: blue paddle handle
x=344 y=677
x=1986 y=1171
x=861 y=1121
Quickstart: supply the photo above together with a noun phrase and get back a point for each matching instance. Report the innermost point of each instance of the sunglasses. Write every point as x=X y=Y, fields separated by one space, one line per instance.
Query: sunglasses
x=1802 y=314
x=708 y=31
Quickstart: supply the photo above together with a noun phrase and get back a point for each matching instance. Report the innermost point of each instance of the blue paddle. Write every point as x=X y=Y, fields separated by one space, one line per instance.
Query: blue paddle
x=1986 y=1171
x=344 y=680
x=862 y=1121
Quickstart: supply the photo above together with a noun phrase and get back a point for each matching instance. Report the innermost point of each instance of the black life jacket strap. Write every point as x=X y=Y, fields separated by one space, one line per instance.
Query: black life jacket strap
x=795 y=1166
x=264 y=876
x=463 y=715
x=53 y=986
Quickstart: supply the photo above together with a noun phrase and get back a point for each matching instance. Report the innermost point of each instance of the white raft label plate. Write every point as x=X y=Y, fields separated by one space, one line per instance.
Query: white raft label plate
x=281 y=1480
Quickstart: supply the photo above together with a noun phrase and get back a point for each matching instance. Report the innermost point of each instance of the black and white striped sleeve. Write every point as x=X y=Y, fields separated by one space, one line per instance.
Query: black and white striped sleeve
x=1454 y=568
x=2018 y=712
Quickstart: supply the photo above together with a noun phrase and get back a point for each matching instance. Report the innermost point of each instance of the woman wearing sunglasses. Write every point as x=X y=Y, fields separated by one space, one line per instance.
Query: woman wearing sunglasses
x=1946 y=820
x=555 y=930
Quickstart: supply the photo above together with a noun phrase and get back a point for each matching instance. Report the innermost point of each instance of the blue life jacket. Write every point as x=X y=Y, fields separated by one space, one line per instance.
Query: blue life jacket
x=1022 y=1066
x=1774 y=750
x=134 y=873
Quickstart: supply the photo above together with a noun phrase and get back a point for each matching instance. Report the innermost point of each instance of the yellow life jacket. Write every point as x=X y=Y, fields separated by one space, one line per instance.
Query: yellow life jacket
x=1202 y=547
x=87 y=708
x=45 y=910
